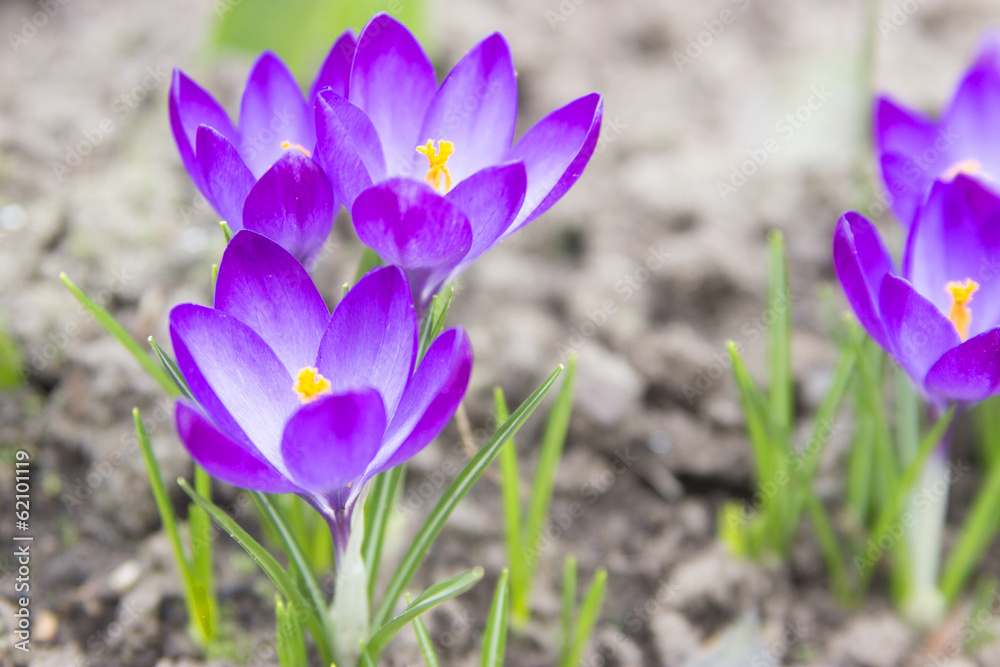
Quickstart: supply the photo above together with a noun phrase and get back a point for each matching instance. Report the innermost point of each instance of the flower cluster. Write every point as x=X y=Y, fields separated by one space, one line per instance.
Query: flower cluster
x=284 y=395
x=939 y=316
x=430 y=173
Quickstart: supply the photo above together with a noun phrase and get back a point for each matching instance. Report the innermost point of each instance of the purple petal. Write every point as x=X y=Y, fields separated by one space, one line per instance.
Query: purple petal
x=273 y=111
x=347 y=147
x=956 y=236
x=555 y=151
x=226 y=177
x=264 y=287
x=410 y=225
x=901 y=137
x=292 y=204
x=234 y=376
x=475 y=109
x=861 y=263
x=225 y=458
x=430 y=400
x=917 y=331
x=969 y=372
x=336 y=69
x=974 y=106
x=329 y=443
x=392 y=81
x=490 y=199
x=371 y=340
x=191 y=106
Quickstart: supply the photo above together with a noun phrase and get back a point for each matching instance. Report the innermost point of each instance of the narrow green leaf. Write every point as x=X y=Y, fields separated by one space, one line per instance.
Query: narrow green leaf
x=432 y=597
x=202 y=543
x=977 y=533
x=779 y=304
x=456 y=491
x=909 y=477
x=590 y=611
x=297 y=561
x=510 y=489
x=495 y=634
x=433 y=322
x=11 y=370
x=553 y=441
x=424 y=639
x=119 y=333
x=378 y=509
x=199 y=621
x=291 y=647
x=227 y=231
x=171 y=367
x=567 y=624
x=366 y=659
x=314 y=621
x=369 y=260
x=829 y=545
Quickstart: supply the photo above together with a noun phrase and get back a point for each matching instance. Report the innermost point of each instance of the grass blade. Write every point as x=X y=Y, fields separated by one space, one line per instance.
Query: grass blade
x=378 y=508
x=456 y=491
x=171 y=367
x=201 y=619
x=567 y=626
x=118 y=332
x=510 y=489
x=590 y=611
x=426 y=644
x=314 y=621
x=550 y=452
x=291 y=647
x=433 y=596
x=495 y=635
x=978 y=531
x=779 y=348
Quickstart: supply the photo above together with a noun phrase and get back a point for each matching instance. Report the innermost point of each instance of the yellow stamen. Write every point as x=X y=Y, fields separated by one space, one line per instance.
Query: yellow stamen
x=960 y=313
x=968 y=167
x=310 y=385
x=287 y=145
x=438 y=164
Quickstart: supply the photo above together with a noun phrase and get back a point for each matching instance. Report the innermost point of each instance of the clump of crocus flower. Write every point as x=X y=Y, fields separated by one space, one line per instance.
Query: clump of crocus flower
x=296 y=400
x=914 y=150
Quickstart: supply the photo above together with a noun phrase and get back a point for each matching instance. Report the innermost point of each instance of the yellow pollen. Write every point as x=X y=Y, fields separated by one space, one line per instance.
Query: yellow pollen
x=438 y=164
x=967 y=167
x=310 y=385
x=287 y=145
x=960 y=313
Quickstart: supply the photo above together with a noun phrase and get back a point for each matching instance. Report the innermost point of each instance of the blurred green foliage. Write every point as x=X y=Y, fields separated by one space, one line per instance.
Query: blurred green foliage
x=301 y=31
x=10 y=361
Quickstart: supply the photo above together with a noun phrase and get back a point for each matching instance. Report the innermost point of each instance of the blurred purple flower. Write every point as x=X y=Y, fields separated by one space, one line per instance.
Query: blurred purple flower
x=914 y=150
x=939 y=318
x=430 y=173
x=261 y=175
x=292 y=399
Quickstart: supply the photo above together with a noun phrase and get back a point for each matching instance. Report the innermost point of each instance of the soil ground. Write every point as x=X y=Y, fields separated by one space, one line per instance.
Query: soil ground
x=723 y=120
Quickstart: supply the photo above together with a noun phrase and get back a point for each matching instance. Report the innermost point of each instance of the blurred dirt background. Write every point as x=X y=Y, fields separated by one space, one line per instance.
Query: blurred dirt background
x=645 y=269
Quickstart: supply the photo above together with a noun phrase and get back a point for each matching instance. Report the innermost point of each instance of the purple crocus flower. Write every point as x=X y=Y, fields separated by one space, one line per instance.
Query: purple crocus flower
x=914 y=150
x=939 y=317
x=292 y=399
x=430 y=173
x=261 y=175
